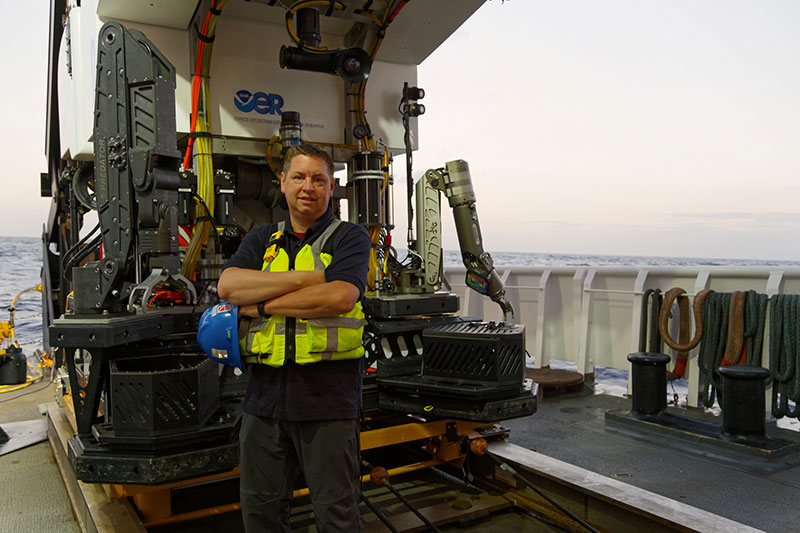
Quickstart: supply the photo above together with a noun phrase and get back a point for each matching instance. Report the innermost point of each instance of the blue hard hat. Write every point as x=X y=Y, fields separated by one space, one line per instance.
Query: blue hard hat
x=218 y=334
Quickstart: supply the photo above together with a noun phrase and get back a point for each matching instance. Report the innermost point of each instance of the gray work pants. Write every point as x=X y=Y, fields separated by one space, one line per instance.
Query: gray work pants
x=272 y=455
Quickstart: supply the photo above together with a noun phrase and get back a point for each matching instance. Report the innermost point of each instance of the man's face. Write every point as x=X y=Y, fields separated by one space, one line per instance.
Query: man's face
x=308 y=188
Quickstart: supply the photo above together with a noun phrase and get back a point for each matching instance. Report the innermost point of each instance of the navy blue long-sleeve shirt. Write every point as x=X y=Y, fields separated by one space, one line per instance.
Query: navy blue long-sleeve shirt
x=326 y=390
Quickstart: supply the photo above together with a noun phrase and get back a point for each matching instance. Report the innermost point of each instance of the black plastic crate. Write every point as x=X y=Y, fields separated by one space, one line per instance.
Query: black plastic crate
x=162 y=395
x=475 y=352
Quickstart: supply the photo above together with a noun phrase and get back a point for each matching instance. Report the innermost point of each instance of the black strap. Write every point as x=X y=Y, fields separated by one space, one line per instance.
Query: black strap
x=331 y=6
x=214 y=11
x=364 y=8
x=196 y=134
x=260 y=308
x=203 y=37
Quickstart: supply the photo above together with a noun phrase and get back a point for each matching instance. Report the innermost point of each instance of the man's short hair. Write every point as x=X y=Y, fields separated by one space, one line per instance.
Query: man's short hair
x=309 y=150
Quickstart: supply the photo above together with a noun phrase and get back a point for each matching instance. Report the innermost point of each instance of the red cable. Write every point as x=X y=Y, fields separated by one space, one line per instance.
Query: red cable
x=196 y=87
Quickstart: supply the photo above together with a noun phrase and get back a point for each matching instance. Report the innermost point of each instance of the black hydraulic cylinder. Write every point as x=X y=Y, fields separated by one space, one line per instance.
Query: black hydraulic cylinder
x=649 y=382
x=743 y=400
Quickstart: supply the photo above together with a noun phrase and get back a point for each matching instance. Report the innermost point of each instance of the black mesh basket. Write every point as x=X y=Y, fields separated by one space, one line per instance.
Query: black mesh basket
x=164 y=395
x=474 y=352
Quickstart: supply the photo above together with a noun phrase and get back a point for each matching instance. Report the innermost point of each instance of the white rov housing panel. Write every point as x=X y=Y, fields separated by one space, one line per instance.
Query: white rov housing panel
x=77 y=71
x=249 y=90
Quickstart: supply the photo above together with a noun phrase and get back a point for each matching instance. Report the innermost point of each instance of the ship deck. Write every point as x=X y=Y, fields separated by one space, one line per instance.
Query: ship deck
x=754 y=491
x=571 y=428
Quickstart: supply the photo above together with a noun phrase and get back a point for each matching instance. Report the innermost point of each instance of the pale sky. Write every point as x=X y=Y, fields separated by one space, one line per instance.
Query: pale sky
x=636 y=127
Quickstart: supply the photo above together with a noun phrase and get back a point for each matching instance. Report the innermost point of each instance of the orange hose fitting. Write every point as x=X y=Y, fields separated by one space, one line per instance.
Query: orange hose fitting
x=379 y=476
x=478 y=446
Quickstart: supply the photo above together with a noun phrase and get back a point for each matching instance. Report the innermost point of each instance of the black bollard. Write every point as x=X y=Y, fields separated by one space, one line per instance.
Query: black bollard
x=649 y=382
x=743 y=404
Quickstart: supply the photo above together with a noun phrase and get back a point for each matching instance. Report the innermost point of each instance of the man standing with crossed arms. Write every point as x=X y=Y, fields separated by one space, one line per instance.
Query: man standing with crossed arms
x=301 y=282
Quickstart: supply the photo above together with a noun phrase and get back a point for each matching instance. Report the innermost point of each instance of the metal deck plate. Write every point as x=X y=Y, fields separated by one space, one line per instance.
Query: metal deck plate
x=23 y=434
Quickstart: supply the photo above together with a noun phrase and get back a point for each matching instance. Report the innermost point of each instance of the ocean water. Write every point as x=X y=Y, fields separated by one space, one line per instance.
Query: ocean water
x=521 y=259
x=20 y=268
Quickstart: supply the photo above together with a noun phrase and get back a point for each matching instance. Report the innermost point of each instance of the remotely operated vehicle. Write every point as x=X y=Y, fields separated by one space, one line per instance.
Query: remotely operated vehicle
x=168 y=121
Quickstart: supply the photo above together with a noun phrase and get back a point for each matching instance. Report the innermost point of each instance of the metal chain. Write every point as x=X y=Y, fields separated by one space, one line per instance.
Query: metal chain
x=29 y=342
x=26 y=317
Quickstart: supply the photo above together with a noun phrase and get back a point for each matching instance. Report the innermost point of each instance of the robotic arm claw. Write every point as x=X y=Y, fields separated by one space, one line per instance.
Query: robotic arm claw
x=455 y=181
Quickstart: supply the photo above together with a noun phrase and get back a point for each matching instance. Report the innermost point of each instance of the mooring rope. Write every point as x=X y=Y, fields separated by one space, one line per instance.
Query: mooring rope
x=755 y=315
x=684 y=345
x=784 y=362
x=666 y=307
x=729 y=328
x=712 y=349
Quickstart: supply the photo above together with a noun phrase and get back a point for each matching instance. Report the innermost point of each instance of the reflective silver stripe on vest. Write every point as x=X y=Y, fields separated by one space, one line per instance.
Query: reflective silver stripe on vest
x=300 y=328
x=253 y=328
x=331 y=340
x=337 y=322
x=332 y=325
x=319 y=243
x=280 y=328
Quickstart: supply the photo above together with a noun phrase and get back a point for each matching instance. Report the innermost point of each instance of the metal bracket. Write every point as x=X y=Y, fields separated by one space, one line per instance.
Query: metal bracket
x=141 y=293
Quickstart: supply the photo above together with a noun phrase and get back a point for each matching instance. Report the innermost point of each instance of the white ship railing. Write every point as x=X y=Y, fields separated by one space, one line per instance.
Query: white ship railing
x=590 y=316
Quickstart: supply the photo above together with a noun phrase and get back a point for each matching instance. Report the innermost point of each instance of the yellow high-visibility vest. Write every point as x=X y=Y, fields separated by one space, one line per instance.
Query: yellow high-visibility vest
x=315 y=339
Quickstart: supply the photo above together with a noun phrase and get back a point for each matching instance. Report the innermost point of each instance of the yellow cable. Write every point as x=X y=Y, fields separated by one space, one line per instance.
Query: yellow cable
x=372 y=17
x=272 y=140
x=385 y=172
x=374 y=236
x=37 y=288
x=202 y=152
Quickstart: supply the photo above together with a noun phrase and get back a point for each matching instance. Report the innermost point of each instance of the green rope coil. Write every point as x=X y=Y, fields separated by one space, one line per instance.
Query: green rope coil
x=784 y=362
x=716 y=309
x=755 y=314
x=715 y=339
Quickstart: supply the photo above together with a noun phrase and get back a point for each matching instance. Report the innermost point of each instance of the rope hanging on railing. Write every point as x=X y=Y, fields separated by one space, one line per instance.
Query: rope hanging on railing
x=712 y=349
x=734 y=335
x=783 y=356
x=755 y=315
x=729 y=329
x=684 y=345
